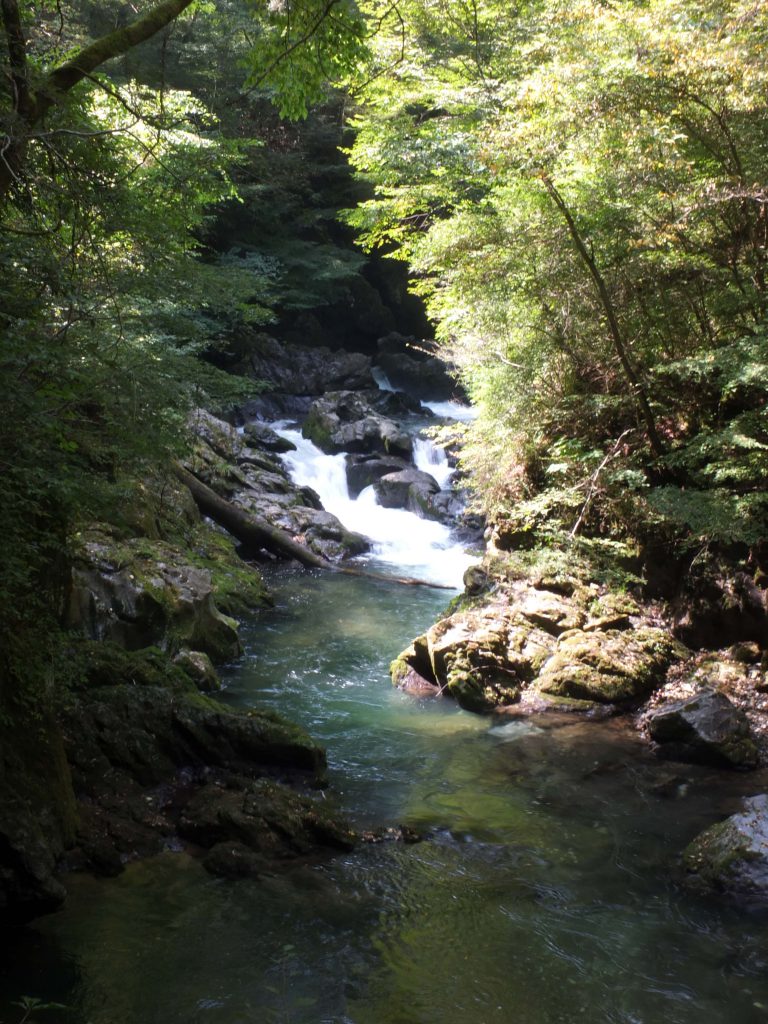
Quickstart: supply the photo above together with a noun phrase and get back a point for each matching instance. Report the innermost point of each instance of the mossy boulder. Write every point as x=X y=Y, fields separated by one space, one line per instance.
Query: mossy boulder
x=704 y=728
x=148 y=732
x=250 y=830
x=139 y=593
x=732 y=856
x=608 y=666
x=199 y=667
x=350 y=421
x=478 y=657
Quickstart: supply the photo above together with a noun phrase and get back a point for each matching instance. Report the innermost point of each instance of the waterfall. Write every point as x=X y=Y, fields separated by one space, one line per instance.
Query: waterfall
x=430 y=459
x=400 y=539
x=452 y=411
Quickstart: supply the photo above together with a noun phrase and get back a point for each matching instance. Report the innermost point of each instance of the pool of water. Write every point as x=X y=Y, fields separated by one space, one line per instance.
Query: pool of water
x=546 y=889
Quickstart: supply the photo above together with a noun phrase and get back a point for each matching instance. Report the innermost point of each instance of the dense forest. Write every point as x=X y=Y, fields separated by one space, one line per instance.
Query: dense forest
x=219 y=214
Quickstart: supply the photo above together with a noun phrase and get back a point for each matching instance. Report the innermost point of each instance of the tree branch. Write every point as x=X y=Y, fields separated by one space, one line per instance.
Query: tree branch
x=114 y=44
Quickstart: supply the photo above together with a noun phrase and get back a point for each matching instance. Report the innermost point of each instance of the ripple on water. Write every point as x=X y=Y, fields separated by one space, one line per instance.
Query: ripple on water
x=546 y=891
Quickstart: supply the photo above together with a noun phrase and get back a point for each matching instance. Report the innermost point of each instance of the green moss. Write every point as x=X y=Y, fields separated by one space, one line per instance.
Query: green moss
x=104 y=664
x=238 y=587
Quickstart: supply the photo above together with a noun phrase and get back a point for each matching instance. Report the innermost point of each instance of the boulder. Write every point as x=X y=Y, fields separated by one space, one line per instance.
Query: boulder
x=253 y=829
x=264 y=437
x=345 y=421
x=199 y=667
x=138 y=593
x=732 y=856
x=705 y=728
x=409 y=489
x=476 y=657
x=364 y=470
x=608 y=666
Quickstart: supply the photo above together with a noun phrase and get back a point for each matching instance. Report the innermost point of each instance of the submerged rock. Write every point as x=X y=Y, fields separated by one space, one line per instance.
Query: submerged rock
x=732 y=856
x=704 y=728
x=257 y=827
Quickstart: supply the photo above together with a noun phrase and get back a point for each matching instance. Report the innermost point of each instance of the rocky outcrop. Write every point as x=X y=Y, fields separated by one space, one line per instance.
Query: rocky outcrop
x=704 y=728
x=409 y=366
x=255 y=480
x=138 y=593
x=535 y=642
x=294 y=369
x=358 y=422
x=155 y=764
x=732 y=856
x=716 y=607
x=38 y=814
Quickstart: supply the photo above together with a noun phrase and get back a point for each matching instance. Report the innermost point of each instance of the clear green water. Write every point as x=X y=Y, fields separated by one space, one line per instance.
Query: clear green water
x=547 y=891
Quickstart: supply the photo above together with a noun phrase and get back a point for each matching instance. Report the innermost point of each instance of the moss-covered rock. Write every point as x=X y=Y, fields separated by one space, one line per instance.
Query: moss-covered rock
x=608 y=666
x=140 y=592
x=258 y=827
x=148 y=732
x=732 y=856
x=199 y=667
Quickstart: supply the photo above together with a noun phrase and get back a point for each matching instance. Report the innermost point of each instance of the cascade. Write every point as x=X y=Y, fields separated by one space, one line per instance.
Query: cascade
x=400 y=538
x=433 y=460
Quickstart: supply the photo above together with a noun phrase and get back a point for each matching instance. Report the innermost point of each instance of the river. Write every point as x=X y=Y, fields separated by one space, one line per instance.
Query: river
x=546 y=889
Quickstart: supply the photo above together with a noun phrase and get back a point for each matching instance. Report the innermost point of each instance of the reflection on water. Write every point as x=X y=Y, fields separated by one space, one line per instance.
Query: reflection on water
x=546 y=889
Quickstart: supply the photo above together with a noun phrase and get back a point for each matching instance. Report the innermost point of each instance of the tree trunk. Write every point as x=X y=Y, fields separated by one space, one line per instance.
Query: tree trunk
x=29 y=108
x=617 y=336
x=254 y=532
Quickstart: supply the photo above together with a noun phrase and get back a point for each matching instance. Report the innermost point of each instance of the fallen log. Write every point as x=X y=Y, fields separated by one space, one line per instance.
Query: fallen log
x=256 y=533
x=251 y=530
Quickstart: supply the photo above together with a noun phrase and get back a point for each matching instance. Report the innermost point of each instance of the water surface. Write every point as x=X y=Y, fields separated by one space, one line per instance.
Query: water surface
x=546 y=889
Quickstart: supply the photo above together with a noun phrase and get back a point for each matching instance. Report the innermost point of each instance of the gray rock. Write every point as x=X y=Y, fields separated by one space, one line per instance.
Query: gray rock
x=303 y=370
x=364 y=470
x=140 y=593
x=705 y=728
x=413 y=369
x=264 y=437
x=732 y=856
x=410 y=489
x=345 y=421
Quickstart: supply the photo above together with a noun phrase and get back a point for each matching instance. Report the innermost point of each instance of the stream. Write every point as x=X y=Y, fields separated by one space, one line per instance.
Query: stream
x=546 y=890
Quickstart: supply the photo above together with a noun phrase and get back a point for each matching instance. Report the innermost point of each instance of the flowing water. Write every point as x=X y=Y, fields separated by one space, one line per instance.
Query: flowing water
x=546 y=890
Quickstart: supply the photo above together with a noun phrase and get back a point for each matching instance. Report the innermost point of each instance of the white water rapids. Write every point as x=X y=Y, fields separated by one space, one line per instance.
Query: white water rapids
x=400 y=539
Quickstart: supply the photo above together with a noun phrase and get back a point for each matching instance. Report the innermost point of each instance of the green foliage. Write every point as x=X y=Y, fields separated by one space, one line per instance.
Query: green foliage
x=560 y=177
x=303 y=47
